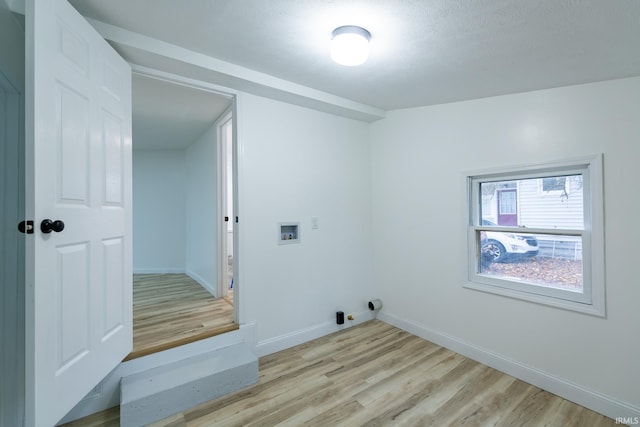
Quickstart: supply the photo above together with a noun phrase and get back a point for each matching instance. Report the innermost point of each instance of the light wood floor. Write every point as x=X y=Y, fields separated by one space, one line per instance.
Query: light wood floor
x=377 y=375
x=170 y=310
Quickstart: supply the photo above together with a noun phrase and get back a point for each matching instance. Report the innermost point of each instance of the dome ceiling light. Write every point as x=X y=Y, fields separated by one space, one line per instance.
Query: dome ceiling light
x=350 y=45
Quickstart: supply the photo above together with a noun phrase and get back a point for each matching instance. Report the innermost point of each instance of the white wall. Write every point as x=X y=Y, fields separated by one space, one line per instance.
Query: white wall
x=297 y=163
x=419 y=157
x=12 y=46
x=159 y=211
x=201 y=210
x=11 y=210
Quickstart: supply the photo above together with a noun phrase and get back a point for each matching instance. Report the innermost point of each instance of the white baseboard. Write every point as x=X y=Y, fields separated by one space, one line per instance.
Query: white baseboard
x=282 y=342
x=591 y=399
x=156 y=270
x=208 y=286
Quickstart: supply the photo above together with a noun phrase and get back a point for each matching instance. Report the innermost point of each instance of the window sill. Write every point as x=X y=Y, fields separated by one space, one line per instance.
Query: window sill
x=590 y=309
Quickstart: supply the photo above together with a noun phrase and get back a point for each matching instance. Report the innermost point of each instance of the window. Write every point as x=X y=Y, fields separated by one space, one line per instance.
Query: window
x=554 y=183
x=528 y=237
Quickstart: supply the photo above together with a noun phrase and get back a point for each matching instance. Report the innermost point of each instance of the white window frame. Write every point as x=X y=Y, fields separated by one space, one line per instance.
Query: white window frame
x=592 y=299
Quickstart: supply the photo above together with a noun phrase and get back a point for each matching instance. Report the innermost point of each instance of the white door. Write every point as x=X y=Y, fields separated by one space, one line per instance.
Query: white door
x=78 y=170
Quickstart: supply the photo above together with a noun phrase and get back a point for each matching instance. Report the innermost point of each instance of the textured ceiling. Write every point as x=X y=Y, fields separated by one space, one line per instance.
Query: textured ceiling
x=422 y=51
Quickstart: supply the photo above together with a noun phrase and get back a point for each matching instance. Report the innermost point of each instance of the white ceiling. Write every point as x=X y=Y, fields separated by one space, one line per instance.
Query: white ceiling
x=169 y=116
x=423 y=52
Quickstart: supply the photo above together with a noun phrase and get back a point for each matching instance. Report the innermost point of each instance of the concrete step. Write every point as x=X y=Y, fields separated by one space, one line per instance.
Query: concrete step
x=157 y=393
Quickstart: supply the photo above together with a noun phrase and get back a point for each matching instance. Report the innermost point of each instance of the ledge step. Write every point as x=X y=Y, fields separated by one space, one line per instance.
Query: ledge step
x=160 y=392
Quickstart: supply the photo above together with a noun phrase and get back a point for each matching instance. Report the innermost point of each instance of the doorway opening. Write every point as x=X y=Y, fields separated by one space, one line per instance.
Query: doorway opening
x=225 y=203
x=182 y=191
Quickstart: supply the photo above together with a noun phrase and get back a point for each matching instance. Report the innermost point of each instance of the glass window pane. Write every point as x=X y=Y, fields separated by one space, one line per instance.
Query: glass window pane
x=556 y=183
x=543 y=260
x=549 y=202
x=507 y=202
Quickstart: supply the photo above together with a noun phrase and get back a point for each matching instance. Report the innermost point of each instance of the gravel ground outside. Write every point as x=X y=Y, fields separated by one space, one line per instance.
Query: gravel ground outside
x=554 y=272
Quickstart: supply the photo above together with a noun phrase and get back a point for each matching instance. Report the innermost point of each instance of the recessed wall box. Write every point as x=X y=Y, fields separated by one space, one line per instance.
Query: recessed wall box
x=288 y=232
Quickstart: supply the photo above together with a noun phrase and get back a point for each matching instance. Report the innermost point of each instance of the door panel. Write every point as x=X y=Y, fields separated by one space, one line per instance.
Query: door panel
x=114 y=161
x=78 y=170
x=73 y=143
x=72 y=328
x=507 y=207
x=114 y=300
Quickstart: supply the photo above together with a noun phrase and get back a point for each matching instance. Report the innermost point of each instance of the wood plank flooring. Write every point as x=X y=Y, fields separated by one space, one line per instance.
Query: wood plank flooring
x=170 y=310
x=377 y=375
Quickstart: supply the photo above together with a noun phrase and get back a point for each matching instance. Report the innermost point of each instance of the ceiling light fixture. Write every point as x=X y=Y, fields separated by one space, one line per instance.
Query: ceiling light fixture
x=350 y=45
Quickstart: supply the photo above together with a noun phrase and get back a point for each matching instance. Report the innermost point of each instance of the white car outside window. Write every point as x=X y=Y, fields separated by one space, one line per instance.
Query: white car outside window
x=502 y=247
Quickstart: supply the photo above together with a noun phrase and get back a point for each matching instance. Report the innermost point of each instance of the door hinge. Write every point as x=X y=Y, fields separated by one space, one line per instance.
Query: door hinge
x=226 y=219
x=236 y=219
x=26 y=227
